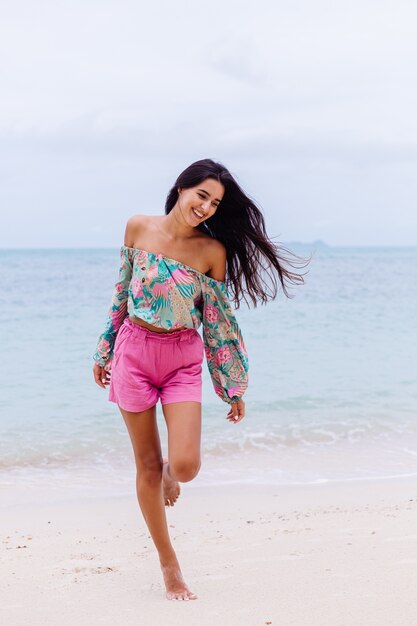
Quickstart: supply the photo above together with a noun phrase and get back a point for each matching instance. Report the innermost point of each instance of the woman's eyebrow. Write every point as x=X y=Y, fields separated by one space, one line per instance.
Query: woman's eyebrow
x=204 y=191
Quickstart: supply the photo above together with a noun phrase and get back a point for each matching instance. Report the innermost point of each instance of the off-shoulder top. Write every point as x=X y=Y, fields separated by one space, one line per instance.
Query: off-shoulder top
x=169 y=294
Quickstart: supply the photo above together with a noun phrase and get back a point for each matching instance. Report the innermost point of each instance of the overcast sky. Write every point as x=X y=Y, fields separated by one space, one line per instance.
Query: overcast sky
x=310 y=104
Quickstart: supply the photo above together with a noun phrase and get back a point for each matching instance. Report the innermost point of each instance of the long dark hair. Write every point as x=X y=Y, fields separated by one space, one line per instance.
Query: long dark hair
x=239 y=224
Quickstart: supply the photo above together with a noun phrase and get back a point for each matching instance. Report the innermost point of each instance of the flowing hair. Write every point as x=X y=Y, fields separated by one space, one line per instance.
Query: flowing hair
x=256 y=266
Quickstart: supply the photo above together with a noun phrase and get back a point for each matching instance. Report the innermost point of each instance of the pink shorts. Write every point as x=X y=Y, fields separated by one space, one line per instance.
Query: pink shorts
x=148 y=365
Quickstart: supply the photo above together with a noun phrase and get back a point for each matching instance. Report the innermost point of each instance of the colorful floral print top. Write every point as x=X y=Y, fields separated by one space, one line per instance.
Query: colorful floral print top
x=171 y=295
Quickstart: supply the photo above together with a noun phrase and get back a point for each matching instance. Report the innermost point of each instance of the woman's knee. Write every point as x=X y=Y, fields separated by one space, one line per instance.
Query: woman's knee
x=185 y=469
x=149 y=470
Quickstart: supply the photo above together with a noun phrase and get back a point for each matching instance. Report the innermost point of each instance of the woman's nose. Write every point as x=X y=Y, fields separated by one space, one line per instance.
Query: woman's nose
x=205 y=205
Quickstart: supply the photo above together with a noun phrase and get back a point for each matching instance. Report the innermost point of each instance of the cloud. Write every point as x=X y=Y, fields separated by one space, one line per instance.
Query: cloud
x=238 y=58
x=318 y=97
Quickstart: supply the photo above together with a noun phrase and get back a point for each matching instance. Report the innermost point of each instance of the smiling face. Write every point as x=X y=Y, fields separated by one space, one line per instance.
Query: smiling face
x=199 y=203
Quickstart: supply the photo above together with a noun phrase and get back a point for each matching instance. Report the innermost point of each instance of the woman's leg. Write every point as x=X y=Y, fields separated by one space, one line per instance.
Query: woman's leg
x=143 y=432
x=183 y=421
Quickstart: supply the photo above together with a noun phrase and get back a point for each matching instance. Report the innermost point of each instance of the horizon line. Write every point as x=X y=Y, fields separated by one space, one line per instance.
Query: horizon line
x=318 y=243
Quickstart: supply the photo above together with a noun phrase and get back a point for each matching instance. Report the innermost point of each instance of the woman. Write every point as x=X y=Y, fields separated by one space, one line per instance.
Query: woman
x=172 y=278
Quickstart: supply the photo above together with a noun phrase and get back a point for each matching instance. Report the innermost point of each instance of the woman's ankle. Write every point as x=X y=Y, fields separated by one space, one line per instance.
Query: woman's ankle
x=168 y=559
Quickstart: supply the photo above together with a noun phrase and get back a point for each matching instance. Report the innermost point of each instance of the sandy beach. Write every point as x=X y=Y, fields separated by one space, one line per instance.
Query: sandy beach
x=339 y=555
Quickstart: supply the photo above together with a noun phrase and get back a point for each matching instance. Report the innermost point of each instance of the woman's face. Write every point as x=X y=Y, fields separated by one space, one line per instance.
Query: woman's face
x=199 y=203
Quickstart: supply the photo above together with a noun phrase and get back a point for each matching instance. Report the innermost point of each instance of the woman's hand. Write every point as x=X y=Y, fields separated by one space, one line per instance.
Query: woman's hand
x=237 y=411
x=101 y=376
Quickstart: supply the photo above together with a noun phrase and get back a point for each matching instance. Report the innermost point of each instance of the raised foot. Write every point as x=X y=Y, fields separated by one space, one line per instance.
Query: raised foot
x=171 y=487
x=176 y=589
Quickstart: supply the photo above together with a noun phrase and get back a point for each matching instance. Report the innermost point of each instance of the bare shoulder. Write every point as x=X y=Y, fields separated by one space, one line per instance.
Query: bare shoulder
x=135 y=225
x=216 y=257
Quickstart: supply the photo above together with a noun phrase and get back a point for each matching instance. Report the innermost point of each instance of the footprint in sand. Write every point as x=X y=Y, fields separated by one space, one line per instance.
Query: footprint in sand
x=101 y=569
x=77 y=565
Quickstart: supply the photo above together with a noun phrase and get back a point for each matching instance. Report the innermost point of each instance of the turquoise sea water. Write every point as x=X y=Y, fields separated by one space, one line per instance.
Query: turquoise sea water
x=333 y=374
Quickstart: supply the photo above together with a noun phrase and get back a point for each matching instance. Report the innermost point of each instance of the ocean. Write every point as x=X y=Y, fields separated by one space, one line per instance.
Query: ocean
x=333 y=376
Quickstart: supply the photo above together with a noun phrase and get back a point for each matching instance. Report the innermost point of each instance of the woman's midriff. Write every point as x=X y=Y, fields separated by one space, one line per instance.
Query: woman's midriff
x=140 y=322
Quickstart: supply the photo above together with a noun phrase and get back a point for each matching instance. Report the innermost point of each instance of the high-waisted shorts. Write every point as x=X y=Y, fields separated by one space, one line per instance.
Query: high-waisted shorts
x=148 y=365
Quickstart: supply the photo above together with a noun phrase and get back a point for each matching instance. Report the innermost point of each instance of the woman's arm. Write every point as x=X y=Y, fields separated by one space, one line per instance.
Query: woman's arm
x=225 y=350
x=117 y=311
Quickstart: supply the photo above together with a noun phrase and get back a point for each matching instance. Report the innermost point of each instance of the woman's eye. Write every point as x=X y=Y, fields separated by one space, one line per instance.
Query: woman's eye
x=214 y=204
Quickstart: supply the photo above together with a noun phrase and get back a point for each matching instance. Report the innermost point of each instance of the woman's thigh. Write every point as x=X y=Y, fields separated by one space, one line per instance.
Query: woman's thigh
x=143 y=431
x=183 y=421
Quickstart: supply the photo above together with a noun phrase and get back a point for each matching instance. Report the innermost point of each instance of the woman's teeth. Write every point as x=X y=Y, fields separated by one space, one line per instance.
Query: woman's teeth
x=199 y=215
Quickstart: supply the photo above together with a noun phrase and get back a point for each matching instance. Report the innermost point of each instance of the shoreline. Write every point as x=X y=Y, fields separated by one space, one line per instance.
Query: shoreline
x=325 y=554
x=333 y=469
x=95 y=486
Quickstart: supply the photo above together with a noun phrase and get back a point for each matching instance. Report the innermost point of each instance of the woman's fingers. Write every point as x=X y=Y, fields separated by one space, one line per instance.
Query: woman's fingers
x=237 y=412
x=97 y=376
x=105 y=376
x=100 y=376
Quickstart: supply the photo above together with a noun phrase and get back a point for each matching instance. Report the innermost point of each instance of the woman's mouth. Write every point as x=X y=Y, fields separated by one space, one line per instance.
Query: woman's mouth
x=198 y=214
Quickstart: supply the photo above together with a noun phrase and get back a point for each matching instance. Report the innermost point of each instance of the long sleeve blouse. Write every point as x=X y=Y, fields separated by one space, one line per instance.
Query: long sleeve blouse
x=171 y=295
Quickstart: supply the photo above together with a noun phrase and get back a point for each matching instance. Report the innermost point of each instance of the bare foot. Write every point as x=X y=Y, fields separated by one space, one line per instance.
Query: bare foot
x=174 y=583
x=170 y=486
